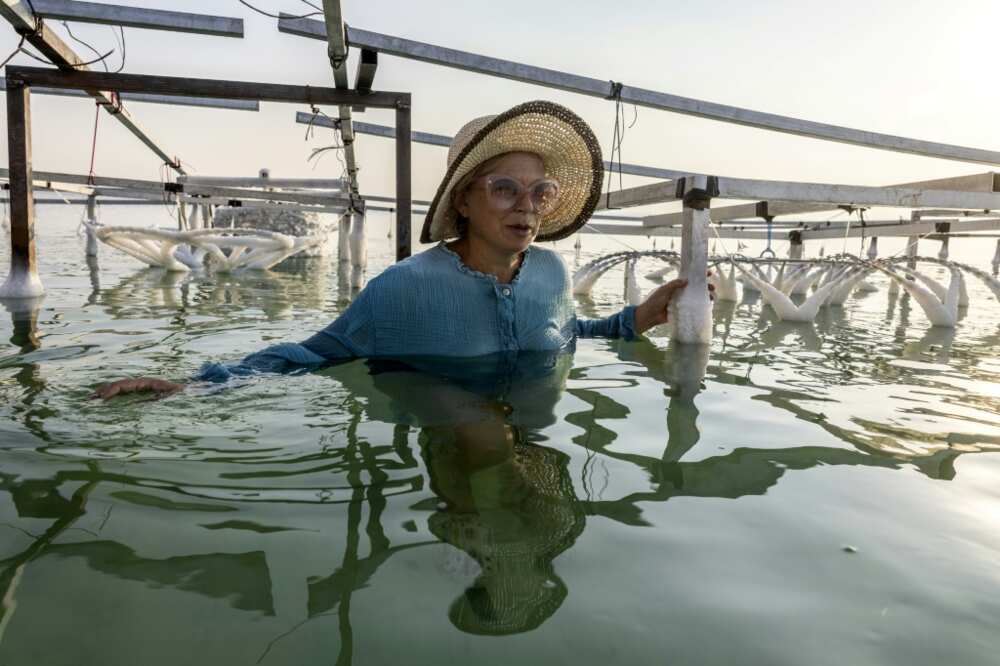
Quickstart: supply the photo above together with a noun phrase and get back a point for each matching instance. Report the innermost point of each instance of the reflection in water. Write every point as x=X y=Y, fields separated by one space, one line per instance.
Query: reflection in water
x=510 y=506
x=476 y=473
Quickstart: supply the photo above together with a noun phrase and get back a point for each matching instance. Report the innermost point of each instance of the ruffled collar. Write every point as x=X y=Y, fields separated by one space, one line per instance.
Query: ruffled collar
x=462 y=267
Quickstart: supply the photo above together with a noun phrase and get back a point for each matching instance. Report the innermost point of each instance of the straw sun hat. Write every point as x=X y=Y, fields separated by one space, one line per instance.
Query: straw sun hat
x=569 y=151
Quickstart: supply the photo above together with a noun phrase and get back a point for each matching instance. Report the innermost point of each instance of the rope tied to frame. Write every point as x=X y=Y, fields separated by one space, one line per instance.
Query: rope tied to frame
x=615 y=93
x=91 y=175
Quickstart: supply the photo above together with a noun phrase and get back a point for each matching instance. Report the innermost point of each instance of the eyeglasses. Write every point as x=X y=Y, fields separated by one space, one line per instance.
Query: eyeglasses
x=503 y=192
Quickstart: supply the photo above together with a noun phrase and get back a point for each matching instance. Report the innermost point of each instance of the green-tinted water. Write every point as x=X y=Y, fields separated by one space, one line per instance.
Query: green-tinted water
x=629 y=506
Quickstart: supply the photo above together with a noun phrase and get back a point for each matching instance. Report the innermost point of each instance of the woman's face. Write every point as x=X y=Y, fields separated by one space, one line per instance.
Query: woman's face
x=503 y=231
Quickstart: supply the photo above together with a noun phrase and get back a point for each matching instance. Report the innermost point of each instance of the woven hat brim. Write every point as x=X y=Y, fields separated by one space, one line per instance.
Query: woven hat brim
x=570 y=153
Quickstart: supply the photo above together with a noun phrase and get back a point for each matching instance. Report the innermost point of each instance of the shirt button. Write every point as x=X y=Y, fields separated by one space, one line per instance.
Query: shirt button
x=506 y=291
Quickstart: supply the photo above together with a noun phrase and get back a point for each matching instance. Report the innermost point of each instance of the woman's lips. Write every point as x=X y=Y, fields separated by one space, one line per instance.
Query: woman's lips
x=520 y=229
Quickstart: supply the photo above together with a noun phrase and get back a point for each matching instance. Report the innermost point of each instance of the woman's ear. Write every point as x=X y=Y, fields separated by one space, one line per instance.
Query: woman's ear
x=460 y=202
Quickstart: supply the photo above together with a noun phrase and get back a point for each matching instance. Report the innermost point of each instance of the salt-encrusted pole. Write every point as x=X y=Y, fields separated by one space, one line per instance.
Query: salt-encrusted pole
x=359 y=249
x=691 y=309
x=89 y=227
x=796 y=246
x=23 y=280
x=344 y=239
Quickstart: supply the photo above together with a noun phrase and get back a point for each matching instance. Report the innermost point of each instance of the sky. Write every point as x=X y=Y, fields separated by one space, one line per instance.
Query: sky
x=918 y=68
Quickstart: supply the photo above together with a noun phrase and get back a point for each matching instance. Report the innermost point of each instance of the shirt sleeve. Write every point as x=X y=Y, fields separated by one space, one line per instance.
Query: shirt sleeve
x=619 y=325
x=351 y=335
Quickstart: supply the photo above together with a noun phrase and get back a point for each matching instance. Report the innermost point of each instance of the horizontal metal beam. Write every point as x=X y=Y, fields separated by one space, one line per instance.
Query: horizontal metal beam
x=853 y=195
x=903 y=229
x=979 y=182
x=137 y=17
x=130 y=187
x=438 y=55
x=900 y=230
x=264 y=205
x=81 y=179
x=643 y=195
x=251 y=181
x=175 y=85
x=266 y=195
x=204 y=102
x=388 y=132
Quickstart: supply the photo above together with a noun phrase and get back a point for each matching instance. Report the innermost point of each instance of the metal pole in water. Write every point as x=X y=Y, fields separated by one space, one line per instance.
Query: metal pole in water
x=89 y=227
x=796 y=246
x=23 y=280
x=691 y=309
x=404 y=204
x=359 y=249
x=344 y=239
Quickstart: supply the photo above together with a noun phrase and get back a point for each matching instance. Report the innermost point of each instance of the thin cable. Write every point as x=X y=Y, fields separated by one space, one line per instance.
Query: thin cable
x=620 y=242
x=312 y=5
x=79 y=64
x=93 y=145
x=268 y=14
x=14 y=52
x=80 y=41
x=122 y=44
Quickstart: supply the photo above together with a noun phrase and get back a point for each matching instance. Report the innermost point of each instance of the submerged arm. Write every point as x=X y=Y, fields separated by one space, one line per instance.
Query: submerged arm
x=351 y=335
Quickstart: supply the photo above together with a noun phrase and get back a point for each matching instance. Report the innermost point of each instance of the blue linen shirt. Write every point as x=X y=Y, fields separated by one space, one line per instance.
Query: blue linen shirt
x=432 y=304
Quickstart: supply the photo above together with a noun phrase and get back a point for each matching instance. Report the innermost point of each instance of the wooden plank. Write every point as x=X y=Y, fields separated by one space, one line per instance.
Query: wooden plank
x=176 y=85
x=50 y=45
x=473 y=62
x=22 y=280
x=137 y=17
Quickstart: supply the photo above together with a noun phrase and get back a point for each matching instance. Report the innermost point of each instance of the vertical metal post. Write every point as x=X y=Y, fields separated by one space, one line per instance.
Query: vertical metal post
x=912 y=244
x=691 y=309
x=22 y=281
x=796 y=245
x=403 y=184
x=92 y=244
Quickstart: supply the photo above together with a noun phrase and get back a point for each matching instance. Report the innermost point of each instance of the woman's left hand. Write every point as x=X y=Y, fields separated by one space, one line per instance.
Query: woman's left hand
x=653 y=310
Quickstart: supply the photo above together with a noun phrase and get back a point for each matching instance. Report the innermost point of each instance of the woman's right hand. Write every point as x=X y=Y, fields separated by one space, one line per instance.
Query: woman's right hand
x=136 y=385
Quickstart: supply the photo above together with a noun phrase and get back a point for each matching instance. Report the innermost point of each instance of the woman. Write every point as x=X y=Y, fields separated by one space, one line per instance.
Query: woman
x=531 y=173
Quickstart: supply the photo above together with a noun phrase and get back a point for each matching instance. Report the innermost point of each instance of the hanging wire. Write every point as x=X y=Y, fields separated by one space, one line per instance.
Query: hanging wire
x=618 y=136
x=14 y=52
x=101 y=59
x=270 y=15
x=620 y=242
x=91 y=175
x=121 y=44
x=337 y=147
x=312 y=5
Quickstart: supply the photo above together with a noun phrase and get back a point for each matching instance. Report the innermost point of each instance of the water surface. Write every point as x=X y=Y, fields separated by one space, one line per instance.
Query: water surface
x=819 y=494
